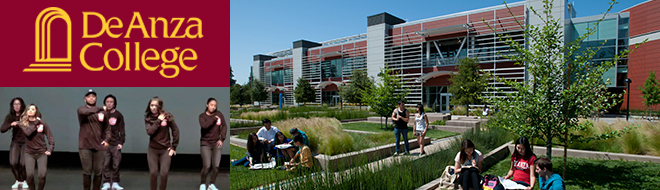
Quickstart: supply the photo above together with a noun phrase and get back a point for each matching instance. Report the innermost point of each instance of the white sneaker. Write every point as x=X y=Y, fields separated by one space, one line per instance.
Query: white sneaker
x=212 y=187
x=106 y=186
x=115 y=186
x=202 y=187
x=25 y=186
x=15 y=186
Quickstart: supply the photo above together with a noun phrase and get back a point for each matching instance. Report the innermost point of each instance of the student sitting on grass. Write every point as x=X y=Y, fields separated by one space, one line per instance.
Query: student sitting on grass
x=468 y=165
x=254 y=154
x=522 y=165
x=279 y=154
x=547 y=179
x=306 y=161
x=295 y=131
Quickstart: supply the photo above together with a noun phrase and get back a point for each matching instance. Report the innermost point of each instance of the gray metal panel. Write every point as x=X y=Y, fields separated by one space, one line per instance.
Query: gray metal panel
x=298 y=54
x=376 y=48
x=58 y=107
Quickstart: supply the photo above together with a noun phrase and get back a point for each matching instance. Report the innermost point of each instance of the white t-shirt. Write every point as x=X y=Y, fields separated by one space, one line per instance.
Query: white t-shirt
x=263 y=133
x=421 y=124
x=469 y=162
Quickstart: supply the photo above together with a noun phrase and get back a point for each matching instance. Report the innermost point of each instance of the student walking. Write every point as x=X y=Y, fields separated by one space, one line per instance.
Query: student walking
x=400 y=116
x=421 y=124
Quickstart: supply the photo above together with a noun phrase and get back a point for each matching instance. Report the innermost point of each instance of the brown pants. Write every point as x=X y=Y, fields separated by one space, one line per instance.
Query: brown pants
x=159 y=163
x=92 y=164
x=41 y=161
x=210 y=155
x=111 y=163
x=17 y=160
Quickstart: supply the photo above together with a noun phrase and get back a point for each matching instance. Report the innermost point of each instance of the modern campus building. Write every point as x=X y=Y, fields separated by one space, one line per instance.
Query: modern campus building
x=426 y=51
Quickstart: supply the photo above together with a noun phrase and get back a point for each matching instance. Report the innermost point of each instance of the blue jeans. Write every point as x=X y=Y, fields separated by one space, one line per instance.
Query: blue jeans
x=403 y=132
x=245 y=162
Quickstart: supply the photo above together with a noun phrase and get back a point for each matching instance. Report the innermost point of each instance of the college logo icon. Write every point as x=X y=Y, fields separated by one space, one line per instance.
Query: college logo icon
x=44 y=61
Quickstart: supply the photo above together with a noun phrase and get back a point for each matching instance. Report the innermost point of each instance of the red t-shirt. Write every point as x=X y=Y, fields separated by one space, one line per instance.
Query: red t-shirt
x=521 y=168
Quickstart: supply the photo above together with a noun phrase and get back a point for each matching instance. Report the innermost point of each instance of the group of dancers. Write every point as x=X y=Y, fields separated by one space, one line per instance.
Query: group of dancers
x=101 y=138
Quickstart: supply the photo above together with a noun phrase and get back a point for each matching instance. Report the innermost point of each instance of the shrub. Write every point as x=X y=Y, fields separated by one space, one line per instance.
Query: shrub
x=325 y=134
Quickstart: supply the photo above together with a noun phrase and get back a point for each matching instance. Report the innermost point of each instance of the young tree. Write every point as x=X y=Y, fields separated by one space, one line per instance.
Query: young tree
x=235 y=94
x=304 y=92
x=232 y=81
x=383 y=97
x=258 y=91
x=359 y=82
x=650 y=92
x=564 y=85
x=468 y=84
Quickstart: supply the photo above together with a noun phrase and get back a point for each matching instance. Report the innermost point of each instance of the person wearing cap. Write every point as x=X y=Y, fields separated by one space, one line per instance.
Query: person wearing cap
x=93 y=140
x=115 y=123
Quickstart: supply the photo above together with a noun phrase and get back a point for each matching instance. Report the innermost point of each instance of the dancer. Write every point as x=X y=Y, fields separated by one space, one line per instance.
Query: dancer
x=159 y=123
x=92 y=140
x=36 y=153
x=17 y=147
x=214 y=130
x=115 y=124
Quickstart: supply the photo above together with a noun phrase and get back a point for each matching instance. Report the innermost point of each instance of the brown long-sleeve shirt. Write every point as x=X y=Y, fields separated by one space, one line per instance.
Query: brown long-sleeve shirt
x=92 y=132
x=36 y=142
x=17 y=135
x=117 y=131
x=159 y=136
x=211 y=132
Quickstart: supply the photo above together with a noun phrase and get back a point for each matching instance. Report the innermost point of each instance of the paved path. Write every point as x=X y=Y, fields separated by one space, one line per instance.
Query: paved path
x=357 y=131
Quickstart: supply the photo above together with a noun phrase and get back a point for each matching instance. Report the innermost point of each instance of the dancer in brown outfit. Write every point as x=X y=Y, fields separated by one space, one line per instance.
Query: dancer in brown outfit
x=36 y=153
x=115 y=123
x=214 y=130
x=159 y=123
x=17 y=147
x=92 y=140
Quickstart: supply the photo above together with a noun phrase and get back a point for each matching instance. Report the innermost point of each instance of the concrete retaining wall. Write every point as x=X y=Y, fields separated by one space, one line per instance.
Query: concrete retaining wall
x=559 y=152
x=333 y=163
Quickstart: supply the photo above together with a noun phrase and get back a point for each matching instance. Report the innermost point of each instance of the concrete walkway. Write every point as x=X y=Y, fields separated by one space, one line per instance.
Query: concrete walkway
x=356 y=131
x=375 y=166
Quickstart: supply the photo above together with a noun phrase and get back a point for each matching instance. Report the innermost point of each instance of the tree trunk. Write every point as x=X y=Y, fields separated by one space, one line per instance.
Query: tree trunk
x=381 y=122
x=548 y=147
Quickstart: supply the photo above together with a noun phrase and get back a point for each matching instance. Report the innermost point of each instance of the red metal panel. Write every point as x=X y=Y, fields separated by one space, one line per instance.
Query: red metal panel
x=641 y=61
x=331 y=49
x=445 y=22
x=644 y=18
x=412 y=28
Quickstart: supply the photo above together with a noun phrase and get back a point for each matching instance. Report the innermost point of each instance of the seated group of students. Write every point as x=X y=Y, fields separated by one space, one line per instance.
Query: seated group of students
x=523 y=165
x=262 y=147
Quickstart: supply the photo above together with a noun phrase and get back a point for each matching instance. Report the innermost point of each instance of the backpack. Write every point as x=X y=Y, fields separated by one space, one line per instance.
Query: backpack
x=490 y=181
x=448 y=177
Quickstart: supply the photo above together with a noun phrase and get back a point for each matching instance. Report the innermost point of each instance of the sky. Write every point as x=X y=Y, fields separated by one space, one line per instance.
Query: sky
x=265 y=26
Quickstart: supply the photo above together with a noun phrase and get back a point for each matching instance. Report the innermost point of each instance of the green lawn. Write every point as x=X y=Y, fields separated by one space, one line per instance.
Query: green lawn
x=598 y=174
x=376 y=127
x=242 y=178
